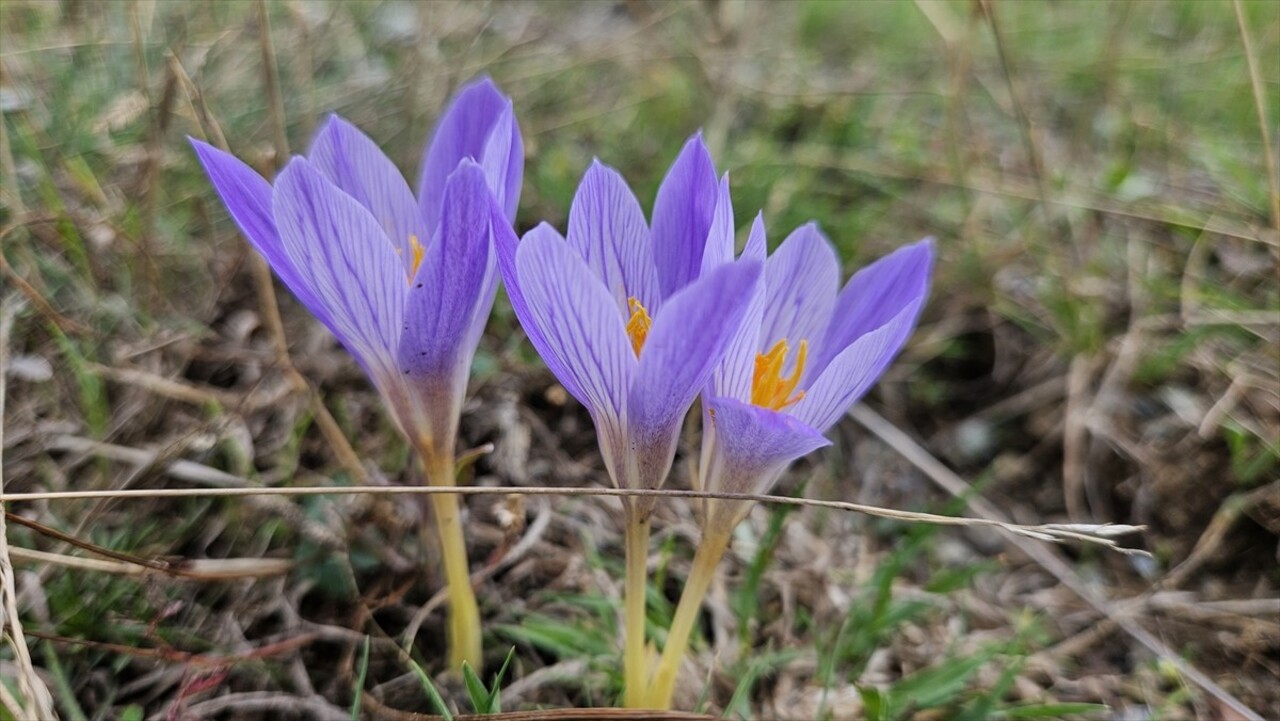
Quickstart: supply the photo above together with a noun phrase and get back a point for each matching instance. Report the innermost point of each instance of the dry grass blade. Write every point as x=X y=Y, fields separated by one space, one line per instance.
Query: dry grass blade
x=203 y=569
x=35 y=701
x=1100 y=534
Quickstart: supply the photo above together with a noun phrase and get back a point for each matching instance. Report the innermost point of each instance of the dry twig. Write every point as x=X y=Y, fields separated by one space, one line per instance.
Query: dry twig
x=35 y=700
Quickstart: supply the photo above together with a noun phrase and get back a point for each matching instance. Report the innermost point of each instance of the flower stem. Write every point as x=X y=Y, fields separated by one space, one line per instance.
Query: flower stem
x=635 y=669
x=710 y=550
x=464 y=614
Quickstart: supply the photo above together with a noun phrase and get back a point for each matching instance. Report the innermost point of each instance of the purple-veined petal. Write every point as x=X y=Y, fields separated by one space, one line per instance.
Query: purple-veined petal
x=852 y=373
x=503 y=161
x=801 y=279
x=248 y=199
x=756 y=246
x=450 y=286
x=354 y=163
x=875 y=294
x=464 y=132
x=606 y=226
x=685 y=344
x=582 y=334
x=755 y=441
x=682 y=215
x=750 y=448
x=733 y=376
x=506 y=244
x=720 y=240
x=333 y=240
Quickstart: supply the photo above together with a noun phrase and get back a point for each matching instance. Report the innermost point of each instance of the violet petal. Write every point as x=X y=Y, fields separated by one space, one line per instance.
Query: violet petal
x=248 y=199
x=449 y=290
x=852 y=373
x=801 y=278
x=682 y=215
x=583 y=337
x=685 y=344
x=876 y=294
x=733 y=377
x=354 y=163
x=464 y=131
x=607 y=228
x=355 y=273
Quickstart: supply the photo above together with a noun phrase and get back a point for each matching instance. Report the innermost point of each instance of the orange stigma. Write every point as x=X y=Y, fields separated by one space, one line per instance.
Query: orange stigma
x=769 y=389
x=638 y=325
x=419 y=250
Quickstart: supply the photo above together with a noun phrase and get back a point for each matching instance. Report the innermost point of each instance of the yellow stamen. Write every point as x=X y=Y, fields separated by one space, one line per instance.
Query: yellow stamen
x=769 y=388
x=419 y=250
x=639 y=324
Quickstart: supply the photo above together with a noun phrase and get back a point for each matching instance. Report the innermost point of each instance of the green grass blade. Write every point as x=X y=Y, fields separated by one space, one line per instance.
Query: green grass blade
x=432 y=693
x=364 y=672
x=475 y=689
x=495 y=694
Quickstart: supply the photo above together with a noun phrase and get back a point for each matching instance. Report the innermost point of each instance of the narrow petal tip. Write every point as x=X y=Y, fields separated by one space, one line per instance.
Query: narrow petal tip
x=467 y=167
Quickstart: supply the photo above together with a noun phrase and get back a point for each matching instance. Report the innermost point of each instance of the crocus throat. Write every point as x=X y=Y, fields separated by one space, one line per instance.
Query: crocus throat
x=419 y=250
x=769 y=388
x=638 y=325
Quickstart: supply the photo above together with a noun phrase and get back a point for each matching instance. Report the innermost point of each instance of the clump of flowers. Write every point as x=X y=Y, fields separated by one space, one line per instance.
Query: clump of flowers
x=405 y=283
x=636 y=320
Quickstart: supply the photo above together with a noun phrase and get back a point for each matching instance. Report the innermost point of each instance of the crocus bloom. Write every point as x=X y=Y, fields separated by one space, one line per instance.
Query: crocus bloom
x=405 y=283
x=805 y=353
x=592 y=304
x=633 y=329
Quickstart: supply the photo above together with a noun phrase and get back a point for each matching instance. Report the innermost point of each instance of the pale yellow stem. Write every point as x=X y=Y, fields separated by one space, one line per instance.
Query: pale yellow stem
x=464 y=613
x=705 y=561
x=635 y=666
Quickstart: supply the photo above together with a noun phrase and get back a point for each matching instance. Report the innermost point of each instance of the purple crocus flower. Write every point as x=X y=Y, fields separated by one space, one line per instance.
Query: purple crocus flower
x=405 y=283
x=622 y=316
x=631 y=326
x=805 y=352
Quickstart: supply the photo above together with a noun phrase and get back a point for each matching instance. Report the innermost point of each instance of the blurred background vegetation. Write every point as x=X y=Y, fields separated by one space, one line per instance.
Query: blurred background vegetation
x=1102 y=344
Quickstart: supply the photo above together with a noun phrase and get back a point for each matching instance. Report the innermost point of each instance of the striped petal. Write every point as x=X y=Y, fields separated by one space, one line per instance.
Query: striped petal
x=336 y=244
x=503 y=162
x=876 y=294
x=607 y=227
x=852 y=373
x=756 y=442
x=478 y=124
x=685 y=344
x=801 y=278
x=506 y=245
x=575 y=324
x=248 y=199
x=752 y=448
x=454 y=286
x=354 y=163
x=720 y=241
x=732 y=378
x=682 y=216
